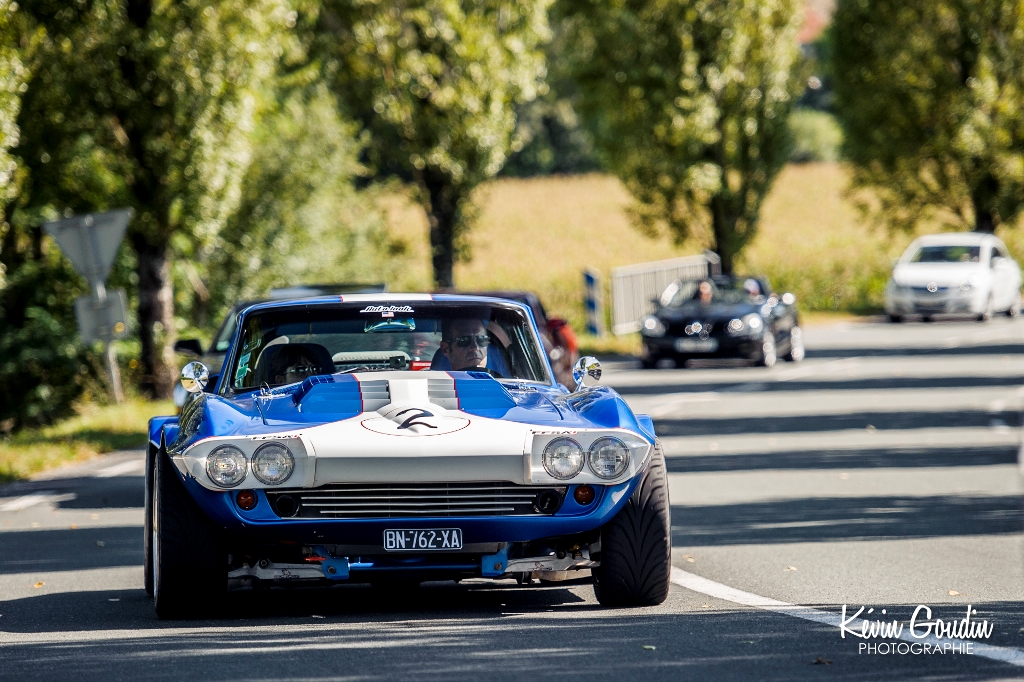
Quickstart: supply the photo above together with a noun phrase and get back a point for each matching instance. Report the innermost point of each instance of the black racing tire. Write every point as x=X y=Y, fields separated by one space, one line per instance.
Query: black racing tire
x=649 y=362
x=895 y=319
x=147 y=533
x=189 y=558
x=636 y=545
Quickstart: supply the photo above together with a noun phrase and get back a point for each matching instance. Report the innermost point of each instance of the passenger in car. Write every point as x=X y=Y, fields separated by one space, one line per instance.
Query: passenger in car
x=464 y=342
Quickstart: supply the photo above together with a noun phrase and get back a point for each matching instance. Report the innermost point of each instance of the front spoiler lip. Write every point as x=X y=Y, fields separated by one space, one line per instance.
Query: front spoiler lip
x=262 y=525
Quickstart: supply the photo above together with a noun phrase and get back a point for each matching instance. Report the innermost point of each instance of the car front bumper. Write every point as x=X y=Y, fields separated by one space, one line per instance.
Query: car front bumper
x=899 y=303
x=724 y=346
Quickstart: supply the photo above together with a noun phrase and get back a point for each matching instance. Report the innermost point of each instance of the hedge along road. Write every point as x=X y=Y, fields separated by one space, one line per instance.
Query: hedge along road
x=879 y=473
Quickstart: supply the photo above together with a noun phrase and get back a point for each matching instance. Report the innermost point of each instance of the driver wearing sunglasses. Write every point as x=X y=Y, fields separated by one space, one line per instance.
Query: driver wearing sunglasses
x=464 y=342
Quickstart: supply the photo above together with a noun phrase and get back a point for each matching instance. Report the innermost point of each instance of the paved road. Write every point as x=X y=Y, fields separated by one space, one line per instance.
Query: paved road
x=881 y=472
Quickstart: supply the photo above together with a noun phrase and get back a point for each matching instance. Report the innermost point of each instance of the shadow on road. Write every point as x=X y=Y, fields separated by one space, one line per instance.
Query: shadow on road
x=444 y=632
x=866 y=384
x=857 y=518
x=874 y=458
x=820 y=423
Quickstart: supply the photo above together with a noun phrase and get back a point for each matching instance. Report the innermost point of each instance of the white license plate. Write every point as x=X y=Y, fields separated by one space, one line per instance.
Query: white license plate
x=422 y=540
x=696 y=345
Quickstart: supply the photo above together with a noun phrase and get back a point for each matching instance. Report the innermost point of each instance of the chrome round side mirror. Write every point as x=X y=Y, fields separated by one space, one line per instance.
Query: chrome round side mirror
x=194 y=377
x=587 y=366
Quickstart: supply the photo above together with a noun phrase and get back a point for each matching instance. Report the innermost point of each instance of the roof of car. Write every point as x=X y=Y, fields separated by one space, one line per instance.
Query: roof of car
x=387 y=299
x=956 y=238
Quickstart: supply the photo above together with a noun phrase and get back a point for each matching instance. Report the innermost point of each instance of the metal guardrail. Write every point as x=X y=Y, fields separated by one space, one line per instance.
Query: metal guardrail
x=634 y=286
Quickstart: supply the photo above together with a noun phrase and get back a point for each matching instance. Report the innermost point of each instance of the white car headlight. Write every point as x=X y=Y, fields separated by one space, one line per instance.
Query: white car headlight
x=608 y=457
x=735 y=325
x=753 y=322
x=226 y=466
x=652 y=326
x=273 y=463
x=562 y=458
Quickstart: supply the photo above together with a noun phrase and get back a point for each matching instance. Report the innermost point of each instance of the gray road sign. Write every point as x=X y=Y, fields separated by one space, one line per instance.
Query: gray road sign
x=102 y=321
x=91 y=241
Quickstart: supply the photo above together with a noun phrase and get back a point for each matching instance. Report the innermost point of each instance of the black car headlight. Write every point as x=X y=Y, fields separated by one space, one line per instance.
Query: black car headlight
x=652 y=326
x=751 y=324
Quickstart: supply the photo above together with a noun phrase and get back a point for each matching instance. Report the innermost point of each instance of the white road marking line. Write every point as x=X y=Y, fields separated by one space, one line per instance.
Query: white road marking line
x=711 y=588
x=129 y=467
x=26 y=501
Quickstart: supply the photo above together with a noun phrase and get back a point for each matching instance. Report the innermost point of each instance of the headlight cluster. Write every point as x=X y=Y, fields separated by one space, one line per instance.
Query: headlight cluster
x=563 y=458
x=652 y=326
x=748 y=324
x=968 y=284
x=272 y=464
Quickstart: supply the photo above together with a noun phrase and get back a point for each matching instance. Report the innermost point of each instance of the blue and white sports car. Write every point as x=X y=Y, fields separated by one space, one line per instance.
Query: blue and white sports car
x=394 y=439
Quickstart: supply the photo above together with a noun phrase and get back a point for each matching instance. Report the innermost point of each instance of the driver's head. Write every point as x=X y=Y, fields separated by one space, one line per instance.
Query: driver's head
x=464 y=342
x=704 y=292
x=291 y=365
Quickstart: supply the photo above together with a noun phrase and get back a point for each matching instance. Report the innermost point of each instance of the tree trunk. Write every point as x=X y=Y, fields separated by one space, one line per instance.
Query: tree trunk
x=724 y=228
x=156 y=318
x=983 y=197
x=442 y=215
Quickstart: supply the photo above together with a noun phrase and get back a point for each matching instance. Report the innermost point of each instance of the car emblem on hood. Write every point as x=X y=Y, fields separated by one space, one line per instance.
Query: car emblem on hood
x=409 y=420
x=932 y=287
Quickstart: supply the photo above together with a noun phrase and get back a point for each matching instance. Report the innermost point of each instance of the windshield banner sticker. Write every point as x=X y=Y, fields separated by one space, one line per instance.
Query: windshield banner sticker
x=387 y=310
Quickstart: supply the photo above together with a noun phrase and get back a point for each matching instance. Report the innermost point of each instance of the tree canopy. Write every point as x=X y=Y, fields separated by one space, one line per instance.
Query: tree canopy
x=435 y=83
x=930 y=94
x=688 y=103
x=148 y=105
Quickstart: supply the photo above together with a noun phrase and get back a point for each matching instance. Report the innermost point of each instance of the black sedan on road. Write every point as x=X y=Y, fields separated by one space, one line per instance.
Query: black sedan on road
x=722 y=317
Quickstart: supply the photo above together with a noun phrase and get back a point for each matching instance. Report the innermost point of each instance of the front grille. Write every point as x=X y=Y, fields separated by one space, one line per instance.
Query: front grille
x=411 y=500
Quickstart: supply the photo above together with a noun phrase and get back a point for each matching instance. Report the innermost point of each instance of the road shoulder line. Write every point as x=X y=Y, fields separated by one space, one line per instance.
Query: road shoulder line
x=697 y=583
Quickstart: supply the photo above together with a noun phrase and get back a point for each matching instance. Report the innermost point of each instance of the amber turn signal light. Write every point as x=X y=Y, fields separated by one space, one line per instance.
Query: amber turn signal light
x=584 y=494
x=246 y=499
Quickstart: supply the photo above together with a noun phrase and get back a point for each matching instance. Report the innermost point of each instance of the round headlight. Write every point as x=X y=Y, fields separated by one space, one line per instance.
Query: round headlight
x=226 y=466
x=735 y=325
x=273 y=463
x=608 y=457
x=563 y=458
x=652 y=326
x=753 y=321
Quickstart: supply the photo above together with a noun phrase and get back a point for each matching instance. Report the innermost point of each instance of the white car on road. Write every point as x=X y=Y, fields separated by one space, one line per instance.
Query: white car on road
x=959 y=273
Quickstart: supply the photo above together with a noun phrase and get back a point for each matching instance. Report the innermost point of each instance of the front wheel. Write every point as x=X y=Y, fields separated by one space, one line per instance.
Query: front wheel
x=636 y=545
x=189 y=560
x=986 y=314
x=796 y=345
x=768 y=356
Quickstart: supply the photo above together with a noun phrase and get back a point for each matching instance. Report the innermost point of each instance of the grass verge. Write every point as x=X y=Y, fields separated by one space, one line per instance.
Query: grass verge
x=93 y=431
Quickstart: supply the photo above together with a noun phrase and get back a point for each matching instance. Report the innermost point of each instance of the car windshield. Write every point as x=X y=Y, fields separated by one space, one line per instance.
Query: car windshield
x=726 y=291
x=284 y=346
x=947 y=254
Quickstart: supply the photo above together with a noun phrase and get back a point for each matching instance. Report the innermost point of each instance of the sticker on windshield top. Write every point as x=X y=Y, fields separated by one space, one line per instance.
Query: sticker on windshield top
x=387 y=310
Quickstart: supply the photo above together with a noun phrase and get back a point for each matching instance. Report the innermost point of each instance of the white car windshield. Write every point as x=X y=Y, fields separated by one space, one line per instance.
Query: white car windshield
x=285 y=345
x=947 y=254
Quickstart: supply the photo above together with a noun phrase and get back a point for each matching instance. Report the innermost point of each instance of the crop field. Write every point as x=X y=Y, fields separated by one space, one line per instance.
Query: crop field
x=541 y=233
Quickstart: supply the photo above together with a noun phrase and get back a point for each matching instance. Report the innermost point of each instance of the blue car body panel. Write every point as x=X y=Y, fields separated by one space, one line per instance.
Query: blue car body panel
x=326 y=399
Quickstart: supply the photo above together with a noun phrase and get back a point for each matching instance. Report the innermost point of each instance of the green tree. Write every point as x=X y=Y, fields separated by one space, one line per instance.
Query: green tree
x=149 y=105
x=300 y=218
x=435 y=82
x=688 y=102
x=930 y=94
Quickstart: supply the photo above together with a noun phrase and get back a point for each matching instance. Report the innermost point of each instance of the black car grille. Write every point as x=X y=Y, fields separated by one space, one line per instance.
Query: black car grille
x=411 y=500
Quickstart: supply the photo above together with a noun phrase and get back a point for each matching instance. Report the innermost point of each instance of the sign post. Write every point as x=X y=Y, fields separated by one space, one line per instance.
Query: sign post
x=90 y=242
x=593 y=302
